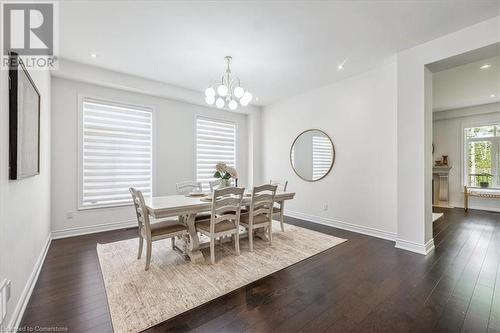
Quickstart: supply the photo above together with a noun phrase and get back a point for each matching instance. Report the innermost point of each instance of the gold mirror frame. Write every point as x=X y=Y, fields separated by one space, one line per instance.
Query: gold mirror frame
x=333 y=152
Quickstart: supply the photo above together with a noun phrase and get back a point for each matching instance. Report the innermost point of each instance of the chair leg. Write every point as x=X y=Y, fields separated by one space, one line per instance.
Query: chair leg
x=173 y=242
x=141 y=244
x=237 y=242
x=212 y=250
x=282 y=215
x=270 y=232
x=148 y=252
x=250 y=238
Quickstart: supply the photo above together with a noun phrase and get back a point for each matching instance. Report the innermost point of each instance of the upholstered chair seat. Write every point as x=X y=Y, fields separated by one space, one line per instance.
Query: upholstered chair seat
x=224 y=218
x=152 y=231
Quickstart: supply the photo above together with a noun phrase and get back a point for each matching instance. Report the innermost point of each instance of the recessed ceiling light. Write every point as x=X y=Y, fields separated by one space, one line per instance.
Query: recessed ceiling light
x=485 y=66
x=93 y=55
x=493 y=96
x=341 y=65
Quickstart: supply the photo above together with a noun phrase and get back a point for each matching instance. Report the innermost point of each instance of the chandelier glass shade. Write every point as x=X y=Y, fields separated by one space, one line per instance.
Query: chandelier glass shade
x=227 y=91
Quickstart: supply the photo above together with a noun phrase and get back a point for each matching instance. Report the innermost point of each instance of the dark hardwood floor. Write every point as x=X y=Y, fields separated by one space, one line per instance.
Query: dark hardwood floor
x=363 y=285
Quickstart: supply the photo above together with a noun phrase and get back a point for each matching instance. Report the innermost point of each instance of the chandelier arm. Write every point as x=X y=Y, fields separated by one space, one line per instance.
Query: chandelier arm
x=232 y=84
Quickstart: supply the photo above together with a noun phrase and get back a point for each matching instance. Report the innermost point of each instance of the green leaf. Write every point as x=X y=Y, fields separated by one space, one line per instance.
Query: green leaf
x=226 y=176
x=217 y=174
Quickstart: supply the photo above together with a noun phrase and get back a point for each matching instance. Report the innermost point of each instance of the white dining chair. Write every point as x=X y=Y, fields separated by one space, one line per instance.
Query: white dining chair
x=281 y=184
x=187 y=187
x=260 y=214
x=167 y=228
x=224 y=219
x=280 y=208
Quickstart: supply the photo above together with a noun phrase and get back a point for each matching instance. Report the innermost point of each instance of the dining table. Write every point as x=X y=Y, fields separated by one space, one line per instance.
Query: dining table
x=186 y=207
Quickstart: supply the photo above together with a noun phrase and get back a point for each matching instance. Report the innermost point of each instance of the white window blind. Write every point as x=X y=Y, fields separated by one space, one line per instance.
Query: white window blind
x=322 y=156
x=116 y=153
x=215 y=142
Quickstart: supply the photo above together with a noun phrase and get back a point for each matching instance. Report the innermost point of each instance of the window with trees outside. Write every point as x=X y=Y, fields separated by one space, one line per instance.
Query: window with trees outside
x=482 y=156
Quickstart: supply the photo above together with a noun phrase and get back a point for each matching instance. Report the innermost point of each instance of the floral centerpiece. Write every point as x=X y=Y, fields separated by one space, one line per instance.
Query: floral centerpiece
x=224 y=173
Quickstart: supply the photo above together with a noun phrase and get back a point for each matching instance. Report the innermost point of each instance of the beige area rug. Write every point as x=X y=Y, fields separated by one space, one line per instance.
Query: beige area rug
x=138 y=299
x=436 y=216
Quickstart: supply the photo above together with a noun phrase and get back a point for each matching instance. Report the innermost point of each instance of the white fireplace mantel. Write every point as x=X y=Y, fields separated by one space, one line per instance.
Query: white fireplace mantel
x=441 y=185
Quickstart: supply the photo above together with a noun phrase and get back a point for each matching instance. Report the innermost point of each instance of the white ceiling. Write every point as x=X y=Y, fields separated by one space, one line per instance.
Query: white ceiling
x=480 y=54
x=279 y=48
x=467 y=85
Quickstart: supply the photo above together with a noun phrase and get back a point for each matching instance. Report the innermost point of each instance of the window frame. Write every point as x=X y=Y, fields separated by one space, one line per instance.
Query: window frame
x=495 y=148
x=109 y=101
x=236 y=141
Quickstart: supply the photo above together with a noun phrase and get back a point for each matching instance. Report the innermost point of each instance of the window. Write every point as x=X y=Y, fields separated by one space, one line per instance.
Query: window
x=482 y=156
x=215 y=142
x=115 y=153
x=322 y=156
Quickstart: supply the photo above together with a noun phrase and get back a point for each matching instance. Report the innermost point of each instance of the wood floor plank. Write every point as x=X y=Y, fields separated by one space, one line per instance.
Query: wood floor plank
x=477 y=316
x=363 y=285
x=458 y=302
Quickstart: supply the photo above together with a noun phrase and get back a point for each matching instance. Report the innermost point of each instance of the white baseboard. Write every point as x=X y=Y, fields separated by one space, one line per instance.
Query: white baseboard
x=478 y=207
x=343 y=225
x=424 y=249
x=18 y=313
x=78 y=231
x=400 y=243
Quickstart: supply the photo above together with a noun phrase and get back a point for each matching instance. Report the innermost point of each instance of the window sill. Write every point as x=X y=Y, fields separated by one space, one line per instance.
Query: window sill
x=105 y=206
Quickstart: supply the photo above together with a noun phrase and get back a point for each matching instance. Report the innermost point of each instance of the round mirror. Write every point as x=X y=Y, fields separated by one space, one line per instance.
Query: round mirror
x=312 y=155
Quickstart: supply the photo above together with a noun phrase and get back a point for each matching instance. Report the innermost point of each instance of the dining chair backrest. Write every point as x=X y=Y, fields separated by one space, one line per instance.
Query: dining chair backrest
x=282 y=184
x=226 y=206
x=140 y=210
x=262 y=200
x=188 y=187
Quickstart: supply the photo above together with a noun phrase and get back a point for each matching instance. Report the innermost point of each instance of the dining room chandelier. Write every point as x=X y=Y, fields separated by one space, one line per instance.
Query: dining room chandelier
x=228 y=91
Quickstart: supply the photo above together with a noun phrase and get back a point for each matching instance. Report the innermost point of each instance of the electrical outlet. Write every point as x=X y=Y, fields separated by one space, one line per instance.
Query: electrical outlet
x=70 y=215
x=325 y=206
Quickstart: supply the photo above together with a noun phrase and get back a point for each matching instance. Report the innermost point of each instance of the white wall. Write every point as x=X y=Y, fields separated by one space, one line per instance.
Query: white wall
x=447 y=138
x=24 y=204
x=359 y=114
x=174 y=151
x=255 y=147
x=415 y=129
x=72 y=70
